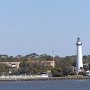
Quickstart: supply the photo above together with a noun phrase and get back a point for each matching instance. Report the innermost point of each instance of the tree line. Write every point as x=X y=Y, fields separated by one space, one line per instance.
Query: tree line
x=32 y=64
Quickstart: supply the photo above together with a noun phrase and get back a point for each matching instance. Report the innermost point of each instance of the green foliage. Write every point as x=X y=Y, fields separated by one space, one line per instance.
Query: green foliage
x=67 y=71
x=45 y=57
x=57 y=72
x=4 y=69
x=31 y=67
x=24 y=68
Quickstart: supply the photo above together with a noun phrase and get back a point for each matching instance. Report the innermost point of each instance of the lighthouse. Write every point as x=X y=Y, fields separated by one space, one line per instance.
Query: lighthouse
x=79 y=61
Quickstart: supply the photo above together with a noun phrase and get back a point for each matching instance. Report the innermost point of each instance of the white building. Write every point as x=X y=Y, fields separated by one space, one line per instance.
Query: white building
x=12 y=64
x=79 y=61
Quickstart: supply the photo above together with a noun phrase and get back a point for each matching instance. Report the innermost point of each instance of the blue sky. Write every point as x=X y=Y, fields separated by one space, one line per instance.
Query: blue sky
x=40 y=26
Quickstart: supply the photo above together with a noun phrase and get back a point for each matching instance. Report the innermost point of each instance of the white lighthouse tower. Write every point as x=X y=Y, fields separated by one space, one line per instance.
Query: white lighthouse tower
x=79 y=61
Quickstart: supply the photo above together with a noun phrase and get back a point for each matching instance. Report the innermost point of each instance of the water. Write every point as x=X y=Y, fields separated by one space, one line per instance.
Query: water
x=46 y=85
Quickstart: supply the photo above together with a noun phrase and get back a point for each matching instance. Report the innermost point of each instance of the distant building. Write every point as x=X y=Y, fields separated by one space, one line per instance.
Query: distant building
x=12 y=64
x=51 y=63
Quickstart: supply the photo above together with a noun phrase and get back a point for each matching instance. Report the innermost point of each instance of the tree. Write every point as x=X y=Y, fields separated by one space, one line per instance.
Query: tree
x=4 y=69
x=57 y=72
x=45 y=57
x=24 y=68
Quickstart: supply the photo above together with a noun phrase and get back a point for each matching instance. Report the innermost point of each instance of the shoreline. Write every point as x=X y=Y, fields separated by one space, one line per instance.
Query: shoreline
x=34 y=78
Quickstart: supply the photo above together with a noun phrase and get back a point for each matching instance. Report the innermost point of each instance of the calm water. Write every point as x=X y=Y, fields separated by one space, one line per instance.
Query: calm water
x=46 y=85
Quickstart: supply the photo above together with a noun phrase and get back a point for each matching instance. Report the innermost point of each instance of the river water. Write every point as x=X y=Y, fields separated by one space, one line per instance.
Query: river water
x=46 y=85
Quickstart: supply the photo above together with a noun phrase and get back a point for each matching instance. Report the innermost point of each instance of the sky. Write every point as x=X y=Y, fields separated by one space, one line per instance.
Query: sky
x=40 y=26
